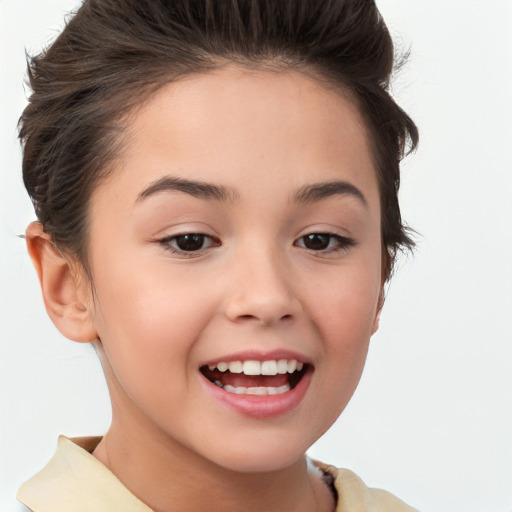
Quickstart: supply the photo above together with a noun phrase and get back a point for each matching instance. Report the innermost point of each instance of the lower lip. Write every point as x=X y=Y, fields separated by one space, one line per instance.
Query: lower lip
x=261 y=406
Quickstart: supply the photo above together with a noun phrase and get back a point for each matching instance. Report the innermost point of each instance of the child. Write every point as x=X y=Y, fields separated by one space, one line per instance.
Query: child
x=216 y=190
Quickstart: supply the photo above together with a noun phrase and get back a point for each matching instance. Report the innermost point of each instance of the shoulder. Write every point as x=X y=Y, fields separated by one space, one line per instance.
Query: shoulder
x=355 y=496
x=74 y=480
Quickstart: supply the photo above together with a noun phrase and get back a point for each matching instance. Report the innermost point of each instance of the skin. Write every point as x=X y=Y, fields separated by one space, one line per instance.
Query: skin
x=156 y=315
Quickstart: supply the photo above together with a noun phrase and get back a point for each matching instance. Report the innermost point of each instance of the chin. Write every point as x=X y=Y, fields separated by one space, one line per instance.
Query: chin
x=261 y=455
x=265 y=463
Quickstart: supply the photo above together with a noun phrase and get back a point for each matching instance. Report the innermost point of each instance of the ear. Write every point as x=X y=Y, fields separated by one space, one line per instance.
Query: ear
x=380 y=303
x=376 y=320
x=66 y=295
x=386 y=268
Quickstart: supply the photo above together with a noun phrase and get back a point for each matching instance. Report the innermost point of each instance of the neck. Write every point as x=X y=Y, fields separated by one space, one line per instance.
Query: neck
x=168 y=477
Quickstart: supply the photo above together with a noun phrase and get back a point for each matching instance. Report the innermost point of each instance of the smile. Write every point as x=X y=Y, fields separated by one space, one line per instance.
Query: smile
x=252 y=377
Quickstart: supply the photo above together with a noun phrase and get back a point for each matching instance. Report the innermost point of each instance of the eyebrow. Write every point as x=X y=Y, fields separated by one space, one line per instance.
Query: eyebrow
x=199 y=189
x=318 y=191
x=203 y=190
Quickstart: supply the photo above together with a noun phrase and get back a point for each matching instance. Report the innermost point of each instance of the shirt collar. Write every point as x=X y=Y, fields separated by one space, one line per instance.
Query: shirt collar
x=75 y=480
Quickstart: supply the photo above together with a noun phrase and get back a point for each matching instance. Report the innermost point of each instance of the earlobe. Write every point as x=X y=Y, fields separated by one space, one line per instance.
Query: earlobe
x=386 y=266
x=63 y=292
x=376 y=320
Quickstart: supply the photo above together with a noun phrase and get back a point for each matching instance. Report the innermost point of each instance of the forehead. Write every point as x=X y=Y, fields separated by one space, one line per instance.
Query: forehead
x=233 y=125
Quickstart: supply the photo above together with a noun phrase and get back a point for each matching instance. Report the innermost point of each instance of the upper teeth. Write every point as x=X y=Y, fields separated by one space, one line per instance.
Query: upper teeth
x=271 y=367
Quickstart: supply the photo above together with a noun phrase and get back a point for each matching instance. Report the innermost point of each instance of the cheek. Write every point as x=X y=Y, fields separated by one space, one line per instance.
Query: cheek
x=344 y=306
x=343 y=310
x=149 y=322
x=346 y=325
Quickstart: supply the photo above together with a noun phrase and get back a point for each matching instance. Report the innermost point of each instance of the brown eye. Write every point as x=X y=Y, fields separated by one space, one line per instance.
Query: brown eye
x=324 y=242
x=188 y=243
x=317 y=241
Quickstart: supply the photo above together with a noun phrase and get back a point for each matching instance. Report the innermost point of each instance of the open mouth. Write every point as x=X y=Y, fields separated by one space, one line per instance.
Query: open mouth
x=270 y=377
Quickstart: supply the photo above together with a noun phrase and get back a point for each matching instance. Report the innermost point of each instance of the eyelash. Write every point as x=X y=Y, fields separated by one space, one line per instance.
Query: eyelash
x=342 y=243
x=168 y=241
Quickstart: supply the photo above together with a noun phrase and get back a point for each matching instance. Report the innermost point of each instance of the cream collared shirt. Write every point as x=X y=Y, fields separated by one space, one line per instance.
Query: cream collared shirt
x=74 y=481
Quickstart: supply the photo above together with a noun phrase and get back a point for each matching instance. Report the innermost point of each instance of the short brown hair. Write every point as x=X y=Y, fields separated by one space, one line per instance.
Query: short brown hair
x=114 y=53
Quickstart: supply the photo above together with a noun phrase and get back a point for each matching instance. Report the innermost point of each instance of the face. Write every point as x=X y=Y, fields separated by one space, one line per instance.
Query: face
x=236 y=257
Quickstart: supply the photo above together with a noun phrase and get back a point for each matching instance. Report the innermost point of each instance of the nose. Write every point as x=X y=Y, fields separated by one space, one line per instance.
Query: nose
x=261 y=289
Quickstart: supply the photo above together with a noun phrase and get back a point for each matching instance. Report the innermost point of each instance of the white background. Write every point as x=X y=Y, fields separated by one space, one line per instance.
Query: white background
x=432 y=418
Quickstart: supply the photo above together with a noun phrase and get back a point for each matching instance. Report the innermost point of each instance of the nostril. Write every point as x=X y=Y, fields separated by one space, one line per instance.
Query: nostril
x=254 y=317
x=247 y=317
x=262 y=307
